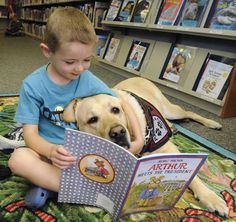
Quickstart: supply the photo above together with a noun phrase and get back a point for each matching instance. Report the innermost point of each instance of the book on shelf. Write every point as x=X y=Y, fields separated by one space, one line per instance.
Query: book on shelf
x=100 y=44
x=178 y=63
x=222 y=15
x=136 y=55
x=98 y=14
x=112 y=49
x=193 y=13
x=214 y=77
x=113 y=10
x=169 y=12
x=126 y=11
x=141 y=11
x=108 y=176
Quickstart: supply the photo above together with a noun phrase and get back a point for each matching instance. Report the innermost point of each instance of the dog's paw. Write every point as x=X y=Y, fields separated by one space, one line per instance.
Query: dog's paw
x=213 y=202
x=212 y=124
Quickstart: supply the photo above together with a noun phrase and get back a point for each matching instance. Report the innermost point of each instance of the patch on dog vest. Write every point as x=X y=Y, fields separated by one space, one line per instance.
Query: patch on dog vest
x=157 y=130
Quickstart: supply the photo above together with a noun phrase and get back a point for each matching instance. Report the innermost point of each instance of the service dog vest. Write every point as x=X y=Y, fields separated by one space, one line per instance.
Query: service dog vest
x=157 y=130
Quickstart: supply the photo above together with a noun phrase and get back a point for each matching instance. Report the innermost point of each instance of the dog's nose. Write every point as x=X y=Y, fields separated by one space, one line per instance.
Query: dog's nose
x=117 y=132
x=118 y=135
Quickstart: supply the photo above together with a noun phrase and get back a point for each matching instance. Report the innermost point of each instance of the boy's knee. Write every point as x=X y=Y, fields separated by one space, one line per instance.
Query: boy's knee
x=16 y=160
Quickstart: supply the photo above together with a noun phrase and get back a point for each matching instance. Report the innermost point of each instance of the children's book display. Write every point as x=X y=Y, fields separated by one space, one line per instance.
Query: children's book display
x=126 y=10
x=108 y=176
x=136 y=55
x=223 y=15
x=214 y=77
x=193 y=13
x=169 y=12
x=179 y=63
x=112 y=49
x=113 y=10
x=141 y=11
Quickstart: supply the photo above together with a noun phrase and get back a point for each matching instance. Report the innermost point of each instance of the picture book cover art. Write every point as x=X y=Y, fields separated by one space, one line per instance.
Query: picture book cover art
x=222 y=15
x=113 y=10
x=112 y=49
x=126 y=11
x=136 y=55
x=193 y=13
x=179 y=63
x=214 y=76
x=170 y=11
x=108 y=176
x=141 y=11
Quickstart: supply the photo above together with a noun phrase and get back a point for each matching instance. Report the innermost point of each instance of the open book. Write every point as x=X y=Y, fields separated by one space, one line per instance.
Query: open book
x=108 y=176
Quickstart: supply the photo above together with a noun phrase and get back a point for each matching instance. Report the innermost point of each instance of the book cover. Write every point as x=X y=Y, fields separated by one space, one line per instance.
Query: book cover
x=179 y=63
x=193 y=13
x=222 y=15
x=126 y=11
x=99 y=9
x=136 y=55
x=108 y=176
x=214 y=76
x=113 y=10
x=169 y=12
x=112 y=49
x=141 y=11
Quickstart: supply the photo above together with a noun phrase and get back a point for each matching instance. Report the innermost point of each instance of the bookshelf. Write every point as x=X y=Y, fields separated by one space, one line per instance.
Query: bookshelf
x=206 y=40
x=160 y=38
x=34 y=13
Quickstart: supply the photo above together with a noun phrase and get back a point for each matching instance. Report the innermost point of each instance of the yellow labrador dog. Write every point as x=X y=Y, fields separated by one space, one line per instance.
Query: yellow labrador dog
x=102 y=115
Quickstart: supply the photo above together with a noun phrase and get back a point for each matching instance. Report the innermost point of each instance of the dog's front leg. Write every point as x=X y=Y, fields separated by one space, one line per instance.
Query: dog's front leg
x=206 y=196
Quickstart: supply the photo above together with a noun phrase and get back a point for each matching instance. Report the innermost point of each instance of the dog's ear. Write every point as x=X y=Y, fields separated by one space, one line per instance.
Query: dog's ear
x=69 y=112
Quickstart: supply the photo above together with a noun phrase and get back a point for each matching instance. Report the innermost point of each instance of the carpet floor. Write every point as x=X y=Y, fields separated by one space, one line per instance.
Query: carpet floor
x=219 y=173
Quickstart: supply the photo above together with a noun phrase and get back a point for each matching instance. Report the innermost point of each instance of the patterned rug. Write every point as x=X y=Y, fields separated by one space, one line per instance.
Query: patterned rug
x=218 y=173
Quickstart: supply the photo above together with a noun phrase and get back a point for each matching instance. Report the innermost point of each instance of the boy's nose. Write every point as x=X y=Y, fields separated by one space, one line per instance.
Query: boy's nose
x=79 y=68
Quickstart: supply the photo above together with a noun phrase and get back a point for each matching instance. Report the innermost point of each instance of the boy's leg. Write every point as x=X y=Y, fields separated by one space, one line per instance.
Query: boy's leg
x=30 y=165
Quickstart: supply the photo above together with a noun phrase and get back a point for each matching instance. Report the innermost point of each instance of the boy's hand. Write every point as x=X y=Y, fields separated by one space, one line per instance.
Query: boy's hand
x=60 y=157
x=136 y=146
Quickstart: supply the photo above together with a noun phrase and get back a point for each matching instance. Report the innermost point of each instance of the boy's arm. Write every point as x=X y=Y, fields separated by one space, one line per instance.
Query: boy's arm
x=138 y=142
x=56 y=153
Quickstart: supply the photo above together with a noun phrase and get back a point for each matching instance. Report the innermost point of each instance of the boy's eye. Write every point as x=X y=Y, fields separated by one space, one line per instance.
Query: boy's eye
x=69 y=63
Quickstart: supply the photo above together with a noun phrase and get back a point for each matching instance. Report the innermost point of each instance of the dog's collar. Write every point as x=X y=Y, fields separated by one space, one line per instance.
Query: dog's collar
x=157 y=130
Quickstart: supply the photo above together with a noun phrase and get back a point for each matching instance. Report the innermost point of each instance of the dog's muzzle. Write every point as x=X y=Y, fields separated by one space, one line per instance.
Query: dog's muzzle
x=118 y=135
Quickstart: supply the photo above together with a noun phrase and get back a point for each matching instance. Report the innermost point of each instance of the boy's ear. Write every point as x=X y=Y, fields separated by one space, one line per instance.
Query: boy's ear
x=69 y=112
x=45 y=50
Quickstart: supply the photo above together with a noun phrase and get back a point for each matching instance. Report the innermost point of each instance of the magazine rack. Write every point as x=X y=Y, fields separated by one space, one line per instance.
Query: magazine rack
x=219 y=42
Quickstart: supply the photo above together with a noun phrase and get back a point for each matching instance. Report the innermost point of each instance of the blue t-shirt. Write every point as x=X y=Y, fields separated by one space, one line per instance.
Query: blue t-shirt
x=42 y=101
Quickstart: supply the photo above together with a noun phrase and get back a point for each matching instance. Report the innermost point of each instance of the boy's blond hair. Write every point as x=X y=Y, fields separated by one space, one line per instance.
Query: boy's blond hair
x=68 y=25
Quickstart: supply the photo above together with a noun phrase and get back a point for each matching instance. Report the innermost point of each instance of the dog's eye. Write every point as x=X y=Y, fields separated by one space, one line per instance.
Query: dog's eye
x=93 y=119
x=115 y=110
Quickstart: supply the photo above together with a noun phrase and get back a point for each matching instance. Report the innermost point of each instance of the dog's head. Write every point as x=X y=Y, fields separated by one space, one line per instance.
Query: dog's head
x=101 y=115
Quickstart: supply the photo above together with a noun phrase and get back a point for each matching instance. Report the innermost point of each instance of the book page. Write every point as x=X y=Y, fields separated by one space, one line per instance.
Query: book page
x=170 y=12
x=136 y=55
x=160 y=180
x=213 y=78
x=101 y=175
x=141 y=11
x=112 y=49
x=224 y=16
x=180 y=63
x=193 y=13
x=113 y=10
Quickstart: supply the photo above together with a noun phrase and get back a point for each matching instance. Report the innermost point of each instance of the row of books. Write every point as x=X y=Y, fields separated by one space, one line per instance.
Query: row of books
x=212 y=80
x=187 y=13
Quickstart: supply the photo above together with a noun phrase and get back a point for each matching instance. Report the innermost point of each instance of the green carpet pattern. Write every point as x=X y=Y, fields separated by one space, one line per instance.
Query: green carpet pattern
x=218 y=173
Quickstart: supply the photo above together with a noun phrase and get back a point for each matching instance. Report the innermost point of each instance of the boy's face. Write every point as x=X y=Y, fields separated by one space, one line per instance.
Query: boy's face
x=69 y=61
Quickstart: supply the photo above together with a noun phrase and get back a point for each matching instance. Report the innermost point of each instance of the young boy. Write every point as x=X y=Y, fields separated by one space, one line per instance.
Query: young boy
x=69 y=43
